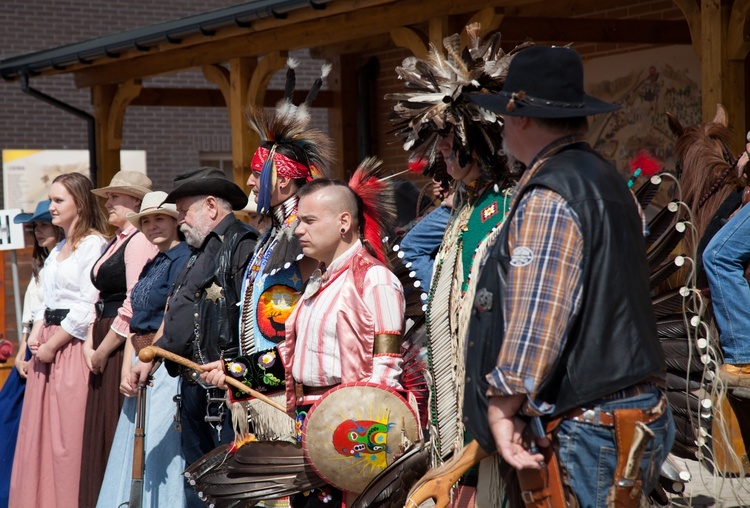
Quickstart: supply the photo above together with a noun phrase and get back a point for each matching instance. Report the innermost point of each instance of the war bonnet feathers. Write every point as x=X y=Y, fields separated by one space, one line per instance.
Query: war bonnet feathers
x=435 y=101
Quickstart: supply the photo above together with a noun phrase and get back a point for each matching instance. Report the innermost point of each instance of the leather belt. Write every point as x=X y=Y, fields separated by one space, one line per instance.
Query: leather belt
x=54 y=316
x=301 y=390
x=607 y=418
x=141 y=340
x=107 y=309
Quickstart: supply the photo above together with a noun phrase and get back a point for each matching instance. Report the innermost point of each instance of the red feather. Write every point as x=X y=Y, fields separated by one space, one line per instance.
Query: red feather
x=418 y=165
x=648 y=163
x=378 y=203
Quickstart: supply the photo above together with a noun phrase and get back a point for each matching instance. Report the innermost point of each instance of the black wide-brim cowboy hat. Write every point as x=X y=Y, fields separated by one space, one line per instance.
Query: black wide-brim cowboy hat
x=207 y=181
x=544 y=82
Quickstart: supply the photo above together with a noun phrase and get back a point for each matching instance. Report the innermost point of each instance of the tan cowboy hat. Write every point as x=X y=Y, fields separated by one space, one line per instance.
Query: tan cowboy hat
x=131 y=183
x=153 y=203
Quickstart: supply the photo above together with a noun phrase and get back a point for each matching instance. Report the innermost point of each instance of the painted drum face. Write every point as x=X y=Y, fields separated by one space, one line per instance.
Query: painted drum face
x=356 y=430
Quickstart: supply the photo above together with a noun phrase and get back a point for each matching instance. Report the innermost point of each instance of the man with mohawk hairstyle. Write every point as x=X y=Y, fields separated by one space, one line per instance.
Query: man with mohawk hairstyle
x=437 y=122
x=346 y=328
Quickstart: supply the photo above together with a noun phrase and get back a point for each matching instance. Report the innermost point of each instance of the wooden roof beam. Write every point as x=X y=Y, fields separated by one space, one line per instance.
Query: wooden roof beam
x=362 y=23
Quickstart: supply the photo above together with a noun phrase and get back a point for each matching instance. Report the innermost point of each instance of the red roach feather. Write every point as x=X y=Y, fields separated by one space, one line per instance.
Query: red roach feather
x=378 y=203
x=418 y=165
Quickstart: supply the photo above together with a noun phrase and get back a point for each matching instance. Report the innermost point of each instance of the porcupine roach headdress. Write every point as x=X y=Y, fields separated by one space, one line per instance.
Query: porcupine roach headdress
x=288 y=147
x=436 y=101
x=377 y=202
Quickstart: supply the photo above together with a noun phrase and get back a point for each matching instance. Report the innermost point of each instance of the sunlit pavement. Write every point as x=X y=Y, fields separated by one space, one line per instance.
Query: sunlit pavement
x=707 y=489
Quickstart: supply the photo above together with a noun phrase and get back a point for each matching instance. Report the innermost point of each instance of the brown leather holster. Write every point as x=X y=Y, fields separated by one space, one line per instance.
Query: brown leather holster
x=632 y=436
x=543 y=488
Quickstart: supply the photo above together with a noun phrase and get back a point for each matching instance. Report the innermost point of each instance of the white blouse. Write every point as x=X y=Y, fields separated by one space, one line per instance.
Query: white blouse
x=32 y=300
x=67 y=285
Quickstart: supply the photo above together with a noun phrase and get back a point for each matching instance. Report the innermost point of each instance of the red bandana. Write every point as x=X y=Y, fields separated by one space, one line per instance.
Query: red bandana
x=285 y=166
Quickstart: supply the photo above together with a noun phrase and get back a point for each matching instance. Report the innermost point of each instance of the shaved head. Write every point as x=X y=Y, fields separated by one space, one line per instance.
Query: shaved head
x=328 y=214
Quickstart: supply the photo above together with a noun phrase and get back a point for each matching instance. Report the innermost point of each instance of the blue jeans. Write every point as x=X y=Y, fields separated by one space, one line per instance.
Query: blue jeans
x=724 y=260
x=588 y=451
x=198 y=436
x=421 y=243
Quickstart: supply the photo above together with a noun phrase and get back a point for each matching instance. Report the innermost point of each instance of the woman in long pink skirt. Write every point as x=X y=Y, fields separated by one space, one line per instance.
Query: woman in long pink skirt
x=47 y=464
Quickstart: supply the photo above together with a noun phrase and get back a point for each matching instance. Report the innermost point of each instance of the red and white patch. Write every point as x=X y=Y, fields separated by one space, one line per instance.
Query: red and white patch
x=488 y=212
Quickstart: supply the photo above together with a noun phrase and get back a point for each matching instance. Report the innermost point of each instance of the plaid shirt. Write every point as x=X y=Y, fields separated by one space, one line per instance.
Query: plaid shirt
x=544 y=284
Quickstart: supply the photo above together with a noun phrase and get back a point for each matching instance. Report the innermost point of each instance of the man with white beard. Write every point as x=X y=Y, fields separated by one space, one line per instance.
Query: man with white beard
x=202 y=316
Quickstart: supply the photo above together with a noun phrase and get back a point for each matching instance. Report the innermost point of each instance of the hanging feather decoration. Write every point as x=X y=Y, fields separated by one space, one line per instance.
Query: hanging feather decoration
x=266 y=184
x=291 y=78
x=313 y=93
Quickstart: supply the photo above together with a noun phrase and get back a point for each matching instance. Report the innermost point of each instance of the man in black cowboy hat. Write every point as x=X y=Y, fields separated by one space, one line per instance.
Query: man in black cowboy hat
x=563 y=322
x=201 y=320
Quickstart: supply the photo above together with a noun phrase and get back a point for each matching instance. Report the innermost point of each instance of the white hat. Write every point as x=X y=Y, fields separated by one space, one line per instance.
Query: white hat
x=153 y=203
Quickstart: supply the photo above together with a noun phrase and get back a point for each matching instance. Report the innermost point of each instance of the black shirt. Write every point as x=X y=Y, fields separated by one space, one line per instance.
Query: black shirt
x=178 y=320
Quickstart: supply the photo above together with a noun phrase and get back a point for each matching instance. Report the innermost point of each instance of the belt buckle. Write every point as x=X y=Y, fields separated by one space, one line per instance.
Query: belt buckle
x=590 y=416
x=99 y=307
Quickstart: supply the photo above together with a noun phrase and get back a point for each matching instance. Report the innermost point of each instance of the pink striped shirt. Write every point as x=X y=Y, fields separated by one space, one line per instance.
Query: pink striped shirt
x=317 y=355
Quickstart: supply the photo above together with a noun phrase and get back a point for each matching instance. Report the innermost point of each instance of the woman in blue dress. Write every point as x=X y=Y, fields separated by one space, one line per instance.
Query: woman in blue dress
x=163 y=481
x=46 y=237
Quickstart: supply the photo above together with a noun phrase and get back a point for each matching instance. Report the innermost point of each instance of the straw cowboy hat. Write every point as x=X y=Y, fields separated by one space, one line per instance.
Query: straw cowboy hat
x=544 y=82
x=207 y=181
x=153 y=203
x=131 y=183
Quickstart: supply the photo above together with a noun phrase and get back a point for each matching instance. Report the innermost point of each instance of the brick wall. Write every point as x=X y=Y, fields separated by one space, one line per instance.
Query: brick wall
x=172 y=137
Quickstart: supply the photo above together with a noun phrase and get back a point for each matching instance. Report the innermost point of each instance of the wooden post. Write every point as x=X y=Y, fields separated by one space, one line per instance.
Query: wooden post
x=438 y=28
x=120 y=102
x=240 y=70
x=342 y=118
x=107 y=157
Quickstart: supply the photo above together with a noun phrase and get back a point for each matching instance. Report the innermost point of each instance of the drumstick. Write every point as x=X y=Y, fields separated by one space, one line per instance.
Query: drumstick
x=147 y=354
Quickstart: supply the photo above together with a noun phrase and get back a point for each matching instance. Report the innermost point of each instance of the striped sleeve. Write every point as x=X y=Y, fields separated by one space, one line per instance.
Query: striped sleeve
x=384 y=295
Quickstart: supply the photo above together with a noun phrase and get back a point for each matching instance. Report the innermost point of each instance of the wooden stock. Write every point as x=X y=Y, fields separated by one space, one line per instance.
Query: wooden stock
x=436 y=484
x=147 y=354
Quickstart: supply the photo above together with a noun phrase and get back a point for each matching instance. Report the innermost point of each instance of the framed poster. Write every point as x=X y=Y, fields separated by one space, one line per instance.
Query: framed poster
x=27 y=174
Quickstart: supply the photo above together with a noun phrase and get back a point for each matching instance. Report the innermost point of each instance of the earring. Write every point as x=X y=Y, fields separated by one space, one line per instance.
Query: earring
x=343 y=231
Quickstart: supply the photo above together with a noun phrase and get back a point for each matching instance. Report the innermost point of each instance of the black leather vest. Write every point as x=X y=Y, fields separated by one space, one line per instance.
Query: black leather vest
x=613 y=342
x=111 y=279
x=216 y=320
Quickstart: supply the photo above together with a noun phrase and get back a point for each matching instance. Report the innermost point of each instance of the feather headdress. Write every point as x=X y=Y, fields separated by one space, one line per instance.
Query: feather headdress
x=436 y=102
x=377 y=202
x=288 y=146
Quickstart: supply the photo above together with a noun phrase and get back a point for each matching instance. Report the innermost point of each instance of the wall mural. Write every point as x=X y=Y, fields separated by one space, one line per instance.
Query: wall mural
x=646 y=84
